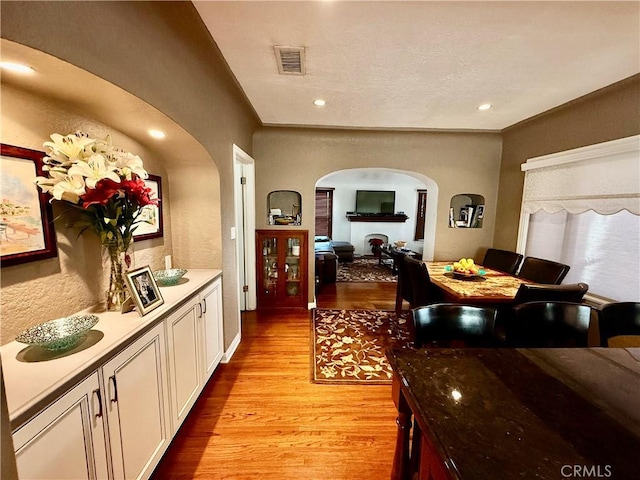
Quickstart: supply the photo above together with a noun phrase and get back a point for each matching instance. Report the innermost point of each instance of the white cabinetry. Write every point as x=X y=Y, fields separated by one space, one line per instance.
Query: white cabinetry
x=137 y=405
x=212 y=328
x=67 y=439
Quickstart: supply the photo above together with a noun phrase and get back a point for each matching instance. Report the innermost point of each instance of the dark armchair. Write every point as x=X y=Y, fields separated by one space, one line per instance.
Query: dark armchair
x=539 y=270
x=502 y=260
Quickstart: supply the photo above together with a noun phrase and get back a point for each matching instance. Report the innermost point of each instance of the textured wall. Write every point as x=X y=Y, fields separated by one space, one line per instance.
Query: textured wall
x=161 y=53
x=37 y=291
x=457 y=162
x=609 y=113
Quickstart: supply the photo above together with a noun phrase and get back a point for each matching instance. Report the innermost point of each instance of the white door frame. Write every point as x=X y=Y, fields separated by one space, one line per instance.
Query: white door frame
x=245 y=215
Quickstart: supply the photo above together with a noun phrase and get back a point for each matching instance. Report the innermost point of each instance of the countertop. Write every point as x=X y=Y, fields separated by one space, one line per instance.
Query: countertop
x=35 y=377
x=512 y=414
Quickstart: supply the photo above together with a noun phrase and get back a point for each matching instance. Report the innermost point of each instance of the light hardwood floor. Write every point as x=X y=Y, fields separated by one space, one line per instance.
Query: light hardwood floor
x=260 y=417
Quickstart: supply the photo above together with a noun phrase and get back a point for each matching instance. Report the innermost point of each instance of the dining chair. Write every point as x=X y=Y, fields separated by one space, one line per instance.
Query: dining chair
x=539 y=270
x=502 y=260
x=618 y=318
x=549 y=324
x=423 y=292
x=404 y=289
x=536 y=292
x=453 y=325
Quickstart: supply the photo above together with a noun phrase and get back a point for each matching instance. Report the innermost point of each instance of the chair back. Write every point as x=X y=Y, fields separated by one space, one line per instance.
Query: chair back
x=534 y=292
x=452 y=324
x=502 y=260
x=618 y=318
x=423 y=291
x=404 y=288
x=539 y=270
x=549 y=324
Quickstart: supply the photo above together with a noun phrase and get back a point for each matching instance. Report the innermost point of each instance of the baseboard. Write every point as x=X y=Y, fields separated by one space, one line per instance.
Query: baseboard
x=311 y=305
x=231 y=350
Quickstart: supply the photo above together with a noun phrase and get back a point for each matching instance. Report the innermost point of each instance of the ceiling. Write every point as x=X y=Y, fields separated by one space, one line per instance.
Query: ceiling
x=423 y=65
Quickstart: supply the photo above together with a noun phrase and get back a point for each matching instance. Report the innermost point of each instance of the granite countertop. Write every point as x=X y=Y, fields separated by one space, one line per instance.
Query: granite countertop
x=506 y=413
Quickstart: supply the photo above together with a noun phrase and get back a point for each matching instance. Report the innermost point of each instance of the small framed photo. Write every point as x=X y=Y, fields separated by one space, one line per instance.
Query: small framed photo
x=144 y=290
x=480 y=209
x=151 y=225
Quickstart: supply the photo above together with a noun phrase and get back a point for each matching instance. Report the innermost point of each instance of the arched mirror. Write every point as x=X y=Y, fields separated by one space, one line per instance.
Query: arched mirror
x=284 y=207
x=466 y=210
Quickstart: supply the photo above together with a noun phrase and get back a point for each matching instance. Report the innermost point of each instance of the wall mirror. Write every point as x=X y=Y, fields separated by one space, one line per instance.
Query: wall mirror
x=466 y=210
x=284 y=207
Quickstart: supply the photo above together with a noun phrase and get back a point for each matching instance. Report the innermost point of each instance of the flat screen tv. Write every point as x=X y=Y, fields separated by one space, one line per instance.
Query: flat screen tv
x=375 y=202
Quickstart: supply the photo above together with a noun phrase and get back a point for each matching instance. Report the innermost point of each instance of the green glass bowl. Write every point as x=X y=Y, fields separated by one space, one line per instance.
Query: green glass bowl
x=166 y=278
x=60 y=334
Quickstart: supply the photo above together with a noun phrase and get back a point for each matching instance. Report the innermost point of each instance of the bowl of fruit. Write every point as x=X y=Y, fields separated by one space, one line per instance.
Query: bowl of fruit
x=465 y=268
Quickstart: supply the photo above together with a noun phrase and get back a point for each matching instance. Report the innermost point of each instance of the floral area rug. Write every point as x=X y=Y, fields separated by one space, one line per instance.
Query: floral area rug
x=348 y=346
x=364 y=269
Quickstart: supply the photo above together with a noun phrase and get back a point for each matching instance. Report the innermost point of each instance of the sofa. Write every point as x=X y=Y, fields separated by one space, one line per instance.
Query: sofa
x=328 y=253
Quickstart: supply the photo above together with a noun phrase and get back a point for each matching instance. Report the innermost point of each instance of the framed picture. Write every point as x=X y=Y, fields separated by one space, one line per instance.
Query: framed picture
x=26 y=217
x=144 y=290
x=480 y=209
x=151 y=215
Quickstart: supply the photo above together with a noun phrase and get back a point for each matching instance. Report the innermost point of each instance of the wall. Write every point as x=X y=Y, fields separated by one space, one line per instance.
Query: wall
x=76 y=278
x=457 y=162
x=161 y=53
x=610 y=113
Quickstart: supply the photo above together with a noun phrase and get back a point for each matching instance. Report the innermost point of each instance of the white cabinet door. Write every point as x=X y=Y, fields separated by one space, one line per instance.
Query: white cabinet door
x=212 y=333
x=137 y=405
x=184 y=369
x=66 y=440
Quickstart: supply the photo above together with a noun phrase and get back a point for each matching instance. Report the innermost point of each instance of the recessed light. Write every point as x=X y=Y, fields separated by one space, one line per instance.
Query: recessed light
x=16 y=67
x=157 y=134
x=319 y=102
x=484 y=106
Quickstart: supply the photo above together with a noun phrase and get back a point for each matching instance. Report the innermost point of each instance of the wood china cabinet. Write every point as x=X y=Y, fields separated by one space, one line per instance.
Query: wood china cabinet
x=282 y=268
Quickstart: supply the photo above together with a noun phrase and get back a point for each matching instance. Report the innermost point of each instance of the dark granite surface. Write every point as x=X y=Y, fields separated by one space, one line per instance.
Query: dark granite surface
x=511 y=419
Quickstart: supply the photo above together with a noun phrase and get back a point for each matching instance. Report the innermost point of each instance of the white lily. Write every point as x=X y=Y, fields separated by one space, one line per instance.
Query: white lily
x=69 y=189
x=95 y=169
x=128 y=163
x=70 y=146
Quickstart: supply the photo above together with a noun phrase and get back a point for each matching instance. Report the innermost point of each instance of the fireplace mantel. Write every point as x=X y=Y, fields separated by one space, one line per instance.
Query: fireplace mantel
x=397 y=218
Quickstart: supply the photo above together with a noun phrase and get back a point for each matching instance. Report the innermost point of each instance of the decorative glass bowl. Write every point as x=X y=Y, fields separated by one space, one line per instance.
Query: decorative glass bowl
x=166 y=278
x=60 y=334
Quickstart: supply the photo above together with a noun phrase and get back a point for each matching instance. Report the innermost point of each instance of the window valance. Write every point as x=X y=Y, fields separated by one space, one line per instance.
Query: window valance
x=604 y=177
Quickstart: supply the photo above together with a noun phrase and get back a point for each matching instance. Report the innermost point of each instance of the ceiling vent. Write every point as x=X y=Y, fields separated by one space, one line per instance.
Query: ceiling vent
x=290 y=60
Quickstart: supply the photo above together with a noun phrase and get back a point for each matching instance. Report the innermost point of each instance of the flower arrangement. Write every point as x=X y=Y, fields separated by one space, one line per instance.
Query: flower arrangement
x=106 y=186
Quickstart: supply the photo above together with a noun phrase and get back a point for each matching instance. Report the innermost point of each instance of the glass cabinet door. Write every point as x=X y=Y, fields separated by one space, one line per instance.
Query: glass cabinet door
x=292 y=267
x=270 y=266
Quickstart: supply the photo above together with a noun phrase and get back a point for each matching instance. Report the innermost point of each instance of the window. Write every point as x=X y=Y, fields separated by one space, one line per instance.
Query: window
x=582 y=208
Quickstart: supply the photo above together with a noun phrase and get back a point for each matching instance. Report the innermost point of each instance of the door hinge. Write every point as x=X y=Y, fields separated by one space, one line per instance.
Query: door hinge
x=245 y=288
x=243 y=180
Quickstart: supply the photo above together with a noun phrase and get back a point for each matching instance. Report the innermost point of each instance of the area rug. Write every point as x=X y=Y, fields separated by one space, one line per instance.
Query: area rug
x=348 y=346
x=364 y=269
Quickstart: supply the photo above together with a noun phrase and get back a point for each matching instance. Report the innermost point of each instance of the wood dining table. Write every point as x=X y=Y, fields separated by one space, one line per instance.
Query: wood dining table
x=494 y=288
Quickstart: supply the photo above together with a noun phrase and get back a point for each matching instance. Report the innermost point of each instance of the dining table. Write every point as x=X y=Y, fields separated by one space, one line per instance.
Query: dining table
x=492 y=288
x=504 y=413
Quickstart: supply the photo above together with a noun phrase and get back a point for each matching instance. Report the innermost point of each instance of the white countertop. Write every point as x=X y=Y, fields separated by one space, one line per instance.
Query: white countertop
x=35 y=378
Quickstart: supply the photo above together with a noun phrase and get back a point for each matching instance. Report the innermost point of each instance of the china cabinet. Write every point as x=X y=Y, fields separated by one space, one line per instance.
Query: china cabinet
x=282 y=268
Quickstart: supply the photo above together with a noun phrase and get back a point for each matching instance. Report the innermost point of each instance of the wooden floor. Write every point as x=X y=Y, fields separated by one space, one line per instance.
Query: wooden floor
x=260 y=417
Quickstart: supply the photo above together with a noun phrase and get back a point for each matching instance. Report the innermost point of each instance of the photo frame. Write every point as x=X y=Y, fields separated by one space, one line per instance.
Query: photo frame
x=27 y=232
x=152 y=226
x=144 y=290
x=480 y=209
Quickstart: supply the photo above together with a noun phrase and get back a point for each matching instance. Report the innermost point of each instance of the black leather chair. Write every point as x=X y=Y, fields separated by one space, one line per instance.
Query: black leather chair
x=618 y=318
x=535 y=292
x=404 y=288
x=539 y=270
x=453 y=325
x=502 y=260
x=423 y=292
x=549 y=324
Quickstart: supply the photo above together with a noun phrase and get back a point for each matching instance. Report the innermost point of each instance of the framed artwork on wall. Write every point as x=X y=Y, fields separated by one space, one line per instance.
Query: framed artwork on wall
x=144 y=290
x=26 y=217
x=151 y=215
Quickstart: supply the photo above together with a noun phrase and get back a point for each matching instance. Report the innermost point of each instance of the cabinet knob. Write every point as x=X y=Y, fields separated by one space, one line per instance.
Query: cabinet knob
x=97 y=393
x=114 y=398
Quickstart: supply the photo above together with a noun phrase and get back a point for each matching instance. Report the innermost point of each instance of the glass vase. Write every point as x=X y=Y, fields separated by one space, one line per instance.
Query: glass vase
x=119 y=261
